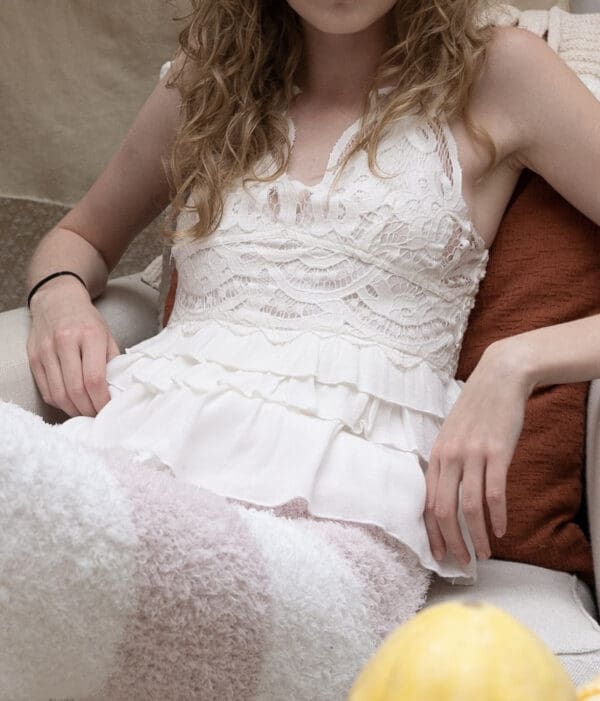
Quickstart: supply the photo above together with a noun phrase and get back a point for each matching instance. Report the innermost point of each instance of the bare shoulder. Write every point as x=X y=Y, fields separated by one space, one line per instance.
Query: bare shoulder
x=516 y=62
x=541 y=114
x=516 y=79
x=510 y=48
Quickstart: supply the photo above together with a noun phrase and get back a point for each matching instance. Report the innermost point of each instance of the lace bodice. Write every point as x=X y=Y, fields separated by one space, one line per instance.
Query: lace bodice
x=393 y=261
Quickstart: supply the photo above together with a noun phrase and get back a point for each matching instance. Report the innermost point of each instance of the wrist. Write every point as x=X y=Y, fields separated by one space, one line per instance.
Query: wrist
x=58 y=288
x=512 y=360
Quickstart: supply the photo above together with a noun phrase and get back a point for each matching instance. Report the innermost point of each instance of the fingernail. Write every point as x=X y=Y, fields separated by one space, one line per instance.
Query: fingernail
x=499 y=532
x=438 y=555
x=465 y=560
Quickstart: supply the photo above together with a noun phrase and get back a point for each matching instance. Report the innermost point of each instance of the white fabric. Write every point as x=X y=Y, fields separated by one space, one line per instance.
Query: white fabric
x=313 y=343
x=152 y=273
x=68 y=563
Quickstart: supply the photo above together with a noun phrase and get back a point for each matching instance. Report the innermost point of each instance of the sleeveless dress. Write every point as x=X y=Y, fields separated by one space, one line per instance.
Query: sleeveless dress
x=243 y=520
x=313 y=343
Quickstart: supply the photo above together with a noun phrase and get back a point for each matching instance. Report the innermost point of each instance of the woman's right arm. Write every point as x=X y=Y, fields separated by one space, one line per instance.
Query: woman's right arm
x=69 y=342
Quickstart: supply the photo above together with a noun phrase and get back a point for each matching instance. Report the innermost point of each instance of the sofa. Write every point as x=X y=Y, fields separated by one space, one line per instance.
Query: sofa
x=558 y=606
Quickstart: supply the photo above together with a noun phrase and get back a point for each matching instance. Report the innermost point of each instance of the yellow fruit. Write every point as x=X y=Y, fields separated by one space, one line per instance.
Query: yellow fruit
x=463 y=652
x=589 y=692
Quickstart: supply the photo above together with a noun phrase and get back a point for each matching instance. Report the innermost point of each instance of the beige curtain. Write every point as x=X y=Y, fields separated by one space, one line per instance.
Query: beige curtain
x=73 y=74
x=540 y=4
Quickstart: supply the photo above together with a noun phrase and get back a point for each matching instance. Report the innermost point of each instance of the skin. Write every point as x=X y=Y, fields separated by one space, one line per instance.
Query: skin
x=344 y=41
x=542 y=118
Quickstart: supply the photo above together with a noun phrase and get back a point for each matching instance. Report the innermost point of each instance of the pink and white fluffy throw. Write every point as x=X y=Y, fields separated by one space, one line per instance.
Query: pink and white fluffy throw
x=119 y=582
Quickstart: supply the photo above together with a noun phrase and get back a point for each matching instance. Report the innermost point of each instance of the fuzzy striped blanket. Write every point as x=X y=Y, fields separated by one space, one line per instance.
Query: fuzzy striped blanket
x=120 y=583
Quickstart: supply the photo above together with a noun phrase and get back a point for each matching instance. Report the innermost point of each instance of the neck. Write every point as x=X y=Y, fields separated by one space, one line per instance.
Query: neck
x=340 y=67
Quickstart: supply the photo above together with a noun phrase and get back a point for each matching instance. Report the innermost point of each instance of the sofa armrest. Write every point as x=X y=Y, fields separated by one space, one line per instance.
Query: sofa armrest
x=592 y=462
x=130 y=309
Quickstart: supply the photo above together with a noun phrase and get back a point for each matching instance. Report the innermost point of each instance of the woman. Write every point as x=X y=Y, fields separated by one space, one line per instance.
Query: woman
x=307 y=368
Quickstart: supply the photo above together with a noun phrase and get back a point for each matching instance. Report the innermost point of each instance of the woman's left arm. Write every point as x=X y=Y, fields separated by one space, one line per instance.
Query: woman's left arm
x=555 y=127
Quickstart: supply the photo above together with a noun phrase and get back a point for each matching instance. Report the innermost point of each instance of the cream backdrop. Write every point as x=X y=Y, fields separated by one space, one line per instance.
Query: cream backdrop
x=73 y=74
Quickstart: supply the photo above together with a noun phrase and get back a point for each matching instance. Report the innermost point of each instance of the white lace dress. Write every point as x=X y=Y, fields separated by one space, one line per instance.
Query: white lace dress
x=314 y=339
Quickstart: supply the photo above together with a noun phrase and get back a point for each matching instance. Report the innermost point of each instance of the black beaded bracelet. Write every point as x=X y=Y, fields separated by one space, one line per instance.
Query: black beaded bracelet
x=49 y=277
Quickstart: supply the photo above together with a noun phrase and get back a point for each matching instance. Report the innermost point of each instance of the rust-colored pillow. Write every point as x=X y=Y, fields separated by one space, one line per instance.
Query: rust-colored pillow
x=543 y=270
x=170 y=297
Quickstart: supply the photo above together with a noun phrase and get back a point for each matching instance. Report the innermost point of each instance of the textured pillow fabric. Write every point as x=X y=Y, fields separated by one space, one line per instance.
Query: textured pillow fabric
x=543 y=270
x=170 y=291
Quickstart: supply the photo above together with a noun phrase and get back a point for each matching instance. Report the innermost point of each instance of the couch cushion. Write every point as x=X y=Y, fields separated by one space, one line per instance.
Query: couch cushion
x=557 y=606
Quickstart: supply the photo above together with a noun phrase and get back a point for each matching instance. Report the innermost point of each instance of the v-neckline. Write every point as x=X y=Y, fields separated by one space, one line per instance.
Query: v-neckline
x=334 y=155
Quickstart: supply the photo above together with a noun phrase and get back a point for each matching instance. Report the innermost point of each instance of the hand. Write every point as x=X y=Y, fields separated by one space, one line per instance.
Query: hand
x=68 y=348
x=475 y=447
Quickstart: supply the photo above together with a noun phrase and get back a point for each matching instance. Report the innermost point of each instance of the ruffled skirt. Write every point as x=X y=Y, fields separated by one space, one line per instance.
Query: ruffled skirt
x=265 y=417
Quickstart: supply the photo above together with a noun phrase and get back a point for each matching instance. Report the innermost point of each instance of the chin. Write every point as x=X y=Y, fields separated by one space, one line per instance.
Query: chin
x=341 y=16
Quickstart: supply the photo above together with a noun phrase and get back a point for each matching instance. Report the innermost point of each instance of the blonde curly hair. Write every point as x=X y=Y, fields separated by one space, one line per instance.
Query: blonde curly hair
x=237 y=64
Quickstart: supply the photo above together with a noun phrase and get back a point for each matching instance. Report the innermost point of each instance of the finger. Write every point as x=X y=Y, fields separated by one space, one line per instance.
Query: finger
x=93 y=362
x=436 y=540
x=472 y=506
x=113 y=349
x=56 y=385
x=39 y=375
x=495 y=493
x=69 y=356
x=446 y=511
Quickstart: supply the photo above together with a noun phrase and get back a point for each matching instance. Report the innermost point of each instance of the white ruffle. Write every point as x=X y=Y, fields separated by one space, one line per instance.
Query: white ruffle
x=375 y=419
x=330 y=359
x=266 y=422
